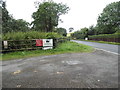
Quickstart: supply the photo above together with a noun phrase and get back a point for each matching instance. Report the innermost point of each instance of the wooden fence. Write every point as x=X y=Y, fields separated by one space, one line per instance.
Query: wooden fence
x=20 y=45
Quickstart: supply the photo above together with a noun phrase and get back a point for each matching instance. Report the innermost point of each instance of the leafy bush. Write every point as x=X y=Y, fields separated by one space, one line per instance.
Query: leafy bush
x=116 y=35
x=30 y=35
x=53 y=35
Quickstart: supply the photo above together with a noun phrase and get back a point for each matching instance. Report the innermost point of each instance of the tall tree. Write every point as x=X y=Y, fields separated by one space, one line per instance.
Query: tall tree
x=47 y=15
x=71 y=29
x=19 y=25
x=6 y=19
x=9 y=24
x=0 y=16
x=84 y=32
x=81 y=34
x=61 y=31
x=109 y=19
x=91 y=30
x=77 y=35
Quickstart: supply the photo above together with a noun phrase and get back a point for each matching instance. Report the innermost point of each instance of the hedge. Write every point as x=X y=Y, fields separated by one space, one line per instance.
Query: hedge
x=106 y=37
x=116 y=35
x=30 y=35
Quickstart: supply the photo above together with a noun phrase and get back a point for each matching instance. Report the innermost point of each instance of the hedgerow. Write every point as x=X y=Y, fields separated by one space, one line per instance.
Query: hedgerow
x=116 y=35
x=30 y=35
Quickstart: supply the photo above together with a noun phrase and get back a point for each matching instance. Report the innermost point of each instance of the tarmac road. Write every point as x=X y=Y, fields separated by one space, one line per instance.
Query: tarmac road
x=107 y=47
x=98 y=69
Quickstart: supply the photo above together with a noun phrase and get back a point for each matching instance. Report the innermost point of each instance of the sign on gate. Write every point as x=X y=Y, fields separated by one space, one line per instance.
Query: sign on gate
x=48 y=42
x=39 y=42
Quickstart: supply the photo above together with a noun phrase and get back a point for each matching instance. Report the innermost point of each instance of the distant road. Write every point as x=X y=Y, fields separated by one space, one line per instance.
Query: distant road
x=107 y=47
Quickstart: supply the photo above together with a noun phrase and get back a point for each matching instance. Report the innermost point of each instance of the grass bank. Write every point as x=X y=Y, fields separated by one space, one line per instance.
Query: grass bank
x=67 y=47
x=114 y=43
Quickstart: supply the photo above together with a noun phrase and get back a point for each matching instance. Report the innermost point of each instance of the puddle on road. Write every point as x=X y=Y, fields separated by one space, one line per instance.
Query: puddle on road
x=72 y=62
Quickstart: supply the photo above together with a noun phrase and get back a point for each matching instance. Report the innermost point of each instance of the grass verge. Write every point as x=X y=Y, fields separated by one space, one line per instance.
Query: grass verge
x=67 y=47
x=114 y=43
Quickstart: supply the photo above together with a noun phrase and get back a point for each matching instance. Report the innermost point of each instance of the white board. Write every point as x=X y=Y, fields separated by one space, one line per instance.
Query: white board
x=47 y=42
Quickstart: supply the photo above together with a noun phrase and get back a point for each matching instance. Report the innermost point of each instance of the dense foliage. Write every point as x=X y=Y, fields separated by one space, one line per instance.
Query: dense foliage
x=5 y=18
x=108 y=23
x=47 y=15
x=116 y=35
x=106 y=37
x=30 y=35
x=109 y=20
x=45 y=19
x=92 y=30
x=61 y=31
x=80 y=34
x=0 y=19
x=9 y=24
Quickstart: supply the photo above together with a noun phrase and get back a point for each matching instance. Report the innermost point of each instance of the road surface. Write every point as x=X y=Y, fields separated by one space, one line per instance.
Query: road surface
x=107 y=47
x=97 y=69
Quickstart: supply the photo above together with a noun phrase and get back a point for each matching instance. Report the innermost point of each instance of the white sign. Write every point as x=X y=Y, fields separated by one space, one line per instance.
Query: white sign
x=47 y=42
x=86 y=38
x=5 y=44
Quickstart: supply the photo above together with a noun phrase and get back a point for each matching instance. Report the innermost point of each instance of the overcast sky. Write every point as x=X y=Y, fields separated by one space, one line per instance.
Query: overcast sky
x=83 y=13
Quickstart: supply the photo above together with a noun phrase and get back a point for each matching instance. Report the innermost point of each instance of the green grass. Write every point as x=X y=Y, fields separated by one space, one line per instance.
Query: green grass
x=67 y=47
x=114 y=43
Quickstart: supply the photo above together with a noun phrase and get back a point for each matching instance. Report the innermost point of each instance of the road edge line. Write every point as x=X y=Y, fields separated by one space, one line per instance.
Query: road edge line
x=107 y=51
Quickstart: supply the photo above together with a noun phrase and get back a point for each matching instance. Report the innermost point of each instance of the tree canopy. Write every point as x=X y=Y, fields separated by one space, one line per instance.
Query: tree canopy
x=47 y=15
x=61 y=31
x=19 y=25
x=9 y=24
x=6 y=19
x=71 y=29
x=0 y=18
x=81 y=34
x=109 y=20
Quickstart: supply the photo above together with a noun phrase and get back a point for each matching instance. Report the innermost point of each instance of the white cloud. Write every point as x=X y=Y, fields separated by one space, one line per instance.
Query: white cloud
x=83 y=13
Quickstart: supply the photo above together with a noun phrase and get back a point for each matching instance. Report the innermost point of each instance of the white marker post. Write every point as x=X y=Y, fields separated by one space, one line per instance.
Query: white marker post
x=86 y=38
x=5 y=43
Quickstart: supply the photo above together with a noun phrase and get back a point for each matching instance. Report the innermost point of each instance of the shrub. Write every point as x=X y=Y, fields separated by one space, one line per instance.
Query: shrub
x=30 y=35
x=116 y=35
x=53 y=35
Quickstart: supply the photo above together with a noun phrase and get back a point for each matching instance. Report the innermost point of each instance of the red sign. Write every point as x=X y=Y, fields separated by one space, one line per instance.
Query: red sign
x=39 y=42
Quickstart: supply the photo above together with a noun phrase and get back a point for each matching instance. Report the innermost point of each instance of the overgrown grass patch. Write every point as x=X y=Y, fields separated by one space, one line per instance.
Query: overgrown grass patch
x=66 y=47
